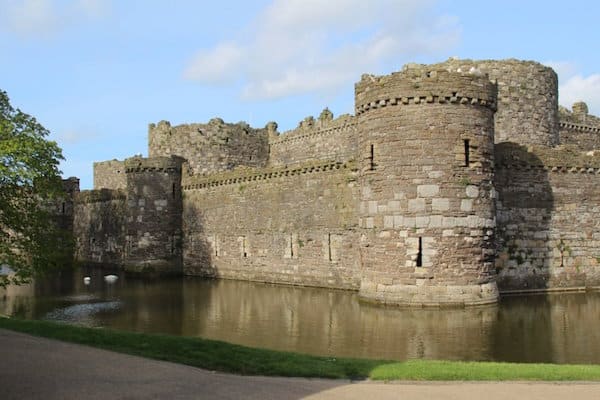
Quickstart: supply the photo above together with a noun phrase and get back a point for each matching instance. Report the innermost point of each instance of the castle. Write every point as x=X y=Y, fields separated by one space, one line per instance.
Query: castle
x=451 y=183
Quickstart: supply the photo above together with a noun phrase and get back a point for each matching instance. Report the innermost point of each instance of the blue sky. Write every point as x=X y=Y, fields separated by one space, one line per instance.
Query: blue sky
x=97 y=72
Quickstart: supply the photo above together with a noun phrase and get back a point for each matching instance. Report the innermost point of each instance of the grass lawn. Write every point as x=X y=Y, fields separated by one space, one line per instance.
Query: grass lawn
x=226 y=357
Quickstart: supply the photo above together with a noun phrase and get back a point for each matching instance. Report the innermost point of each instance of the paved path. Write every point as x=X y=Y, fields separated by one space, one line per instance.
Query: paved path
x=38 y=368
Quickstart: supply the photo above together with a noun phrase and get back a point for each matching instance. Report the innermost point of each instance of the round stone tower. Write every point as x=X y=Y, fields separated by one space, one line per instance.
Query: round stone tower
x=426 y=145
x=154 y=209
x=527 y=98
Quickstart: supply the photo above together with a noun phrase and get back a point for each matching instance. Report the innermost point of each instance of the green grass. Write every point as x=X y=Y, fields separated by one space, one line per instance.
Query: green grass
x=226 y=357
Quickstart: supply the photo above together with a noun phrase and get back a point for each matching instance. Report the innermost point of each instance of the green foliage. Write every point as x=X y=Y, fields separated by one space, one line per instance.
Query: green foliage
x=465 y=181
x=31 y=241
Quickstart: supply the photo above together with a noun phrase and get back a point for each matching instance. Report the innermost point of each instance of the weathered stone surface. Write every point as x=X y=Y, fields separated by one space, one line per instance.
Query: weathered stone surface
x=446 y=184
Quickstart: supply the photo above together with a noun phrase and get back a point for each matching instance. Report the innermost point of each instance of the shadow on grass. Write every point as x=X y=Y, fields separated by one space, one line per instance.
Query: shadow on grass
x=231 y=358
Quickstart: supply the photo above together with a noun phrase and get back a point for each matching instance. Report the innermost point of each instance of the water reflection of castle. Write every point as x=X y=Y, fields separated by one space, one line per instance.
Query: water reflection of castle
x=449 y=182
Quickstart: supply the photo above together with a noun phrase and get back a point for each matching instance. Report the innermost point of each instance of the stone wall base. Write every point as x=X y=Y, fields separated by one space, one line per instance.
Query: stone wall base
x=430 y=296
x=154 y=267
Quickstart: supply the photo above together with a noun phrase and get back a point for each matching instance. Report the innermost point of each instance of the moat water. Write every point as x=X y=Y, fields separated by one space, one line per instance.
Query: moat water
x=557 y=328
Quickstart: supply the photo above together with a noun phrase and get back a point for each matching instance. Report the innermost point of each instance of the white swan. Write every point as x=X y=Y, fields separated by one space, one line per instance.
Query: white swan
x=110 y=278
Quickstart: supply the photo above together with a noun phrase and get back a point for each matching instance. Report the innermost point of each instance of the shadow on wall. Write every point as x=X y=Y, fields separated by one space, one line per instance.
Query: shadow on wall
x=198 y=248
x=525 y=205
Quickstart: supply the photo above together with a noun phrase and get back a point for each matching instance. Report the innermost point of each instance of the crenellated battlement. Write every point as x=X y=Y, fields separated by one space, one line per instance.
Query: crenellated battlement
x=211 y=147
x=309 y=128
x=99 y=195
x=242 y=175
x=418 y=85
x=153 y=164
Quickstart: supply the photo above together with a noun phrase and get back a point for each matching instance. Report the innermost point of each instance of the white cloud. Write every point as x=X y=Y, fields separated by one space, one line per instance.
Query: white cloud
x=38 y=18
x=574 y=87
x=75 y=136
x=580 y=88
x=299 y=46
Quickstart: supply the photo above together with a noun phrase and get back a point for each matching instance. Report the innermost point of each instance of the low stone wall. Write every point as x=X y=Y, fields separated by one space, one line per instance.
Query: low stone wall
x=284 y=225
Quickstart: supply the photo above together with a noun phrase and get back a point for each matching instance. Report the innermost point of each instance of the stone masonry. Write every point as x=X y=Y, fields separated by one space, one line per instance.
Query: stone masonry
x=450 y=184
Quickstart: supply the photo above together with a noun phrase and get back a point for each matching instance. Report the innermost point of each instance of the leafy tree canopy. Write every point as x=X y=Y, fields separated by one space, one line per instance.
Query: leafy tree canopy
x=31 y=241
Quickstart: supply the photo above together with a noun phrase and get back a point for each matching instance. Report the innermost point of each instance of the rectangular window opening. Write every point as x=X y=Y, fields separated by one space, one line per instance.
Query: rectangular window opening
x=372 y=158
x=420 y=253
x=291 y=245
x=329 y=246
x=63 y=207
x=173 y=190
x=467 y=149
x=244 y=253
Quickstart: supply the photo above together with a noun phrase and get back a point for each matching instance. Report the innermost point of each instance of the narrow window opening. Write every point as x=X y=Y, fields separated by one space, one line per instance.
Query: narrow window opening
x=372 y=158
x=216 y=246
x=173 y=190
x=467 y=150
x=291 y=245
x=420 y=253
x=63 y=207
x=244 y=253
x=329 y=247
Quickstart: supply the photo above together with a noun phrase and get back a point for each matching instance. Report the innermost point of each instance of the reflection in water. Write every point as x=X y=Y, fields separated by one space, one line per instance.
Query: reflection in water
x=549 y=328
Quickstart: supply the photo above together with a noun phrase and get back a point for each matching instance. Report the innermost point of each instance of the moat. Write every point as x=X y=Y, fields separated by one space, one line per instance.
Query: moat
x=557 y=328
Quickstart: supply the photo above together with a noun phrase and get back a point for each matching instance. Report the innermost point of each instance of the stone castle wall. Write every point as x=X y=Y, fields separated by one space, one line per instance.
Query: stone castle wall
x=548 y=227
x=109 y=175
x=216 y=146
x=426 y=153
x=99 y=226
x=154 y=209
x=579 y=128
x=322 y=139
x=527 y=99
x=294 y=225
x=451 y=181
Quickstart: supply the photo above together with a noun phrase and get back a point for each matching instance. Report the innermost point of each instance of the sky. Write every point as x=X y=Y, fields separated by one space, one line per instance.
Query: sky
x=97 y=72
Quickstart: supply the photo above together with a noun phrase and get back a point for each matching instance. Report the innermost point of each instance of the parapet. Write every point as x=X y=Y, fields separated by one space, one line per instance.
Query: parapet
x=153 y=164
x=421 y=84
x=99 y=196
x=309 y=127
x=109 y=175
x=527 y=98
x=71 y=185
x=214 y=146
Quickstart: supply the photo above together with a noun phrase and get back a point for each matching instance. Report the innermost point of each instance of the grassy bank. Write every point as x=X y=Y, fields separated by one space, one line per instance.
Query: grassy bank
x=226 y=357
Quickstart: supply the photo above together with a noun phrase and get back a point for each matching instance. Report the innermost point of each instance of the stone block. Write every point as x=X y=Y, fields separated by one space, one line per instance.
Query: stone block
x=466 y=205
x=416 y=205
x=428 y=190
x=440 y=204
x=472 y=191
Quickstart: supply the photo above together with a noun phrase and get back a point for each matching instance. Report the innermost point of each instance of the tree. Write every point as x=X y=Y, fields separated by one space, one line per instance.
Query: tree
x=31 y=242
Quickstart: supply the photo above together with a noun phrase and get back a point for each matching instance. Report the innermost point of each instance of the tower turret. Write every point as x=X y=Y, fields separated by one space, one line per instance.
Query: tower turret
x=426 y=145
x=154 y=207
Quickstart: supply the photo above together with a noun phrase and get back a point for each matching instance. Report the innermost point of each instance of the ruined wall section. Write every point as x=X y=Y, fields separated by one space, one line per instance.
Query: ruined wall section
x=527 y=98
x=548 y=227
x=154 y=208
x=426 y=144
x=216 y=146
x=292 y=225
x=109 y=175
x=579 y=128
x=323 y=139
x=99 y=218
